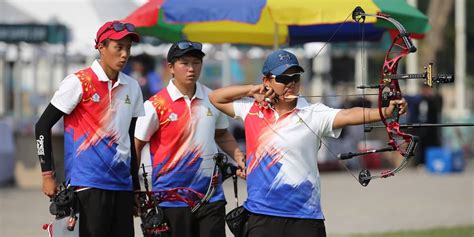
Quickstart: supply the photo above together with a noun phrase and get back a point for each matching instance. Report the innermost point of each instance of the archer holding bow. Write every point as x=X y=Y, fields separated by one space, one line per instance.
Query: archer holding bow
x=283 y=135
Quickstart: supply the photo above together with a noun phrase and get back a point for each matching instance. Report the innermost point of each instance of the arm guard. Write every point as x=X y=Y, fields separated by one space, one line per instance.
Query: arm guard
x=134 y=161
x=50 y=116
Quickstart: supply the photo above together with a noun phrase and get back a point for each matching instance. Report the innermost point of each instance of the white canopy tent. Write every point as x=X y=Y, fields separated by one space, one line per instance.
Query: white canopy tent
x=82 y=17
x=30 y=72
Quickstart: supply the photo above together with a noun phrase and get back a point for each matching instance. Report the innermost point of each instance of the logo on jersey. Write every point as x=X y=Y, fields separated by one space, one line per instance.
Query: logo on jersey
x=96 y=98
x=173 y=117
x=260 y=114
x=209 y=112
x=127 y=100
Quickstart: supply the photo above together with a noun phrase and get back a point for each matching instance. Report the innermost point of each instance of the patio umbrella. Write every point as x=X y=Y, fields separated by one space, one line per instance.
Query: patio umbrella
x=272 y=22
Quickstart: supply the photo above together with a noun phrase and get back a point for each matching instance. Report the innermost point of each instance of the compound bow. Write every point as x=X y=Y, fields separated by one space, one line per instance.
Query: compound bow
x=152 y=215
x=389 y=89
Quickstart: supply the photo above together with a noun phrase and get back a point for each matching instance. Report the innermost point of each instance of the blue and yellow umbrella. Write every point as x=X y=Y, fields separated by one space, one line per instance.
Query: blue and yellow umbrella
x=271 y=22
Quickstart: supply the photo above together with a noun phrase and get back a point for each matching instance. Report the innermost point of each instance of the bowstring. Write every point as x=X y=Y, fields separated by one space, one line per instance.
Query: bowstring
x=268 y=124
x=364 y=79
x=321 y=140
x=363 y=97
x=333 y=34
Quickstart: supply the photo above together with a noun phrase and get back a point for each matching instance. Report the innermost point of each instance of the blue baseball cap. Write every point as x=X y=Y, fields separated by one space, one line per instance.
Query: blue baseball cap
x=279 y=61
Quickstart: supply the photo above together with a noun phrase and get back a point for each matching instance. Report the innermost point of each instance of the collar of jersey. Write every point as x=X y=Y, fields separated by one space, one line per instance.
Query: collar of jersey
x=176 y=94
x=301 y=103
x=99 y=71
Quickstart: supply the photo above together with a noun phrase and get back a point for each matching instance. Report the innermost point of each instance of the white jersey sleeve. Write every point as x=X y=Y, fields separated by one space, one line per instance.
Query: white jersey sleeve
x=222 y=121
x=242 y=107
x=68 y=95
x=325 y=121
x=147 y=125
x=138 y=105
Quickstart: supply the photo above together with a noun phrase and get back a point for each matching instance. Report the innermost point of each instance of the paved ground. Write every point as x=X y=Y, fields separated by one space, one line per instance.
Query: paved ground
x=413 y=199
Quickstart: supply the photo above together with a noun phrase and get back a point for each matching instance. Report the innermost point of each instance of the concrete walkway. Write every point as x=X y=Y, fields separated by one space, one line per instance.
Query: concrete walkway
x=413 y=199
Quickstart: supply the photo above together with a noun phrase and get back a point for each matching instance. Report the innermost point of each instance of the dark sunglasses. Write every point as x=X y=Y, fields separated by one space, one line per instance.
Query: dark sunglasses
x=117 y=27
x=287 y=78
x=187 y=45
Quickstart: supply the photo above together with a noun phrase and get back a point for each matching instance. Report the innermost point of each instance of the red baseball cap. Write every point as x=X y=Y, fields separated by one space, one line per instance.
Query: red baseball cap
x=115 y=30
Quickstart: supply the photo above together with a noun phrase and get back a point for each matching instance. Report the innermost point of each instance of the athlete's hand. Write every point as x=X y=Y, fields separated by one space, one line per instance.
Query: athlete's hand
x=402 y=105
x=50 y=186
x=136 y=205
x=263 y=93
x=241 y=171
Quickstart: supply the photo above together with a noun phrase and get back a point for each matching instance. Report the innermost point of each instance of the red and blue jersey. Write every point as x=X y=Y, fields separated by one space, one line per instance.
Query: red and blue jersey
x=180 y=131
x=282 y=171
x=96 y=127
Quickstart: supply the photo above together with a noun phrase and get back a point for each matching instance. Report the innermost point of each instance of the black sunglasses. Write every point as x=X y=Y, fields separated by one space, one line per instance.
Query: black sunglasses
x=117 y=27
x=187 y=45
x=287 y=78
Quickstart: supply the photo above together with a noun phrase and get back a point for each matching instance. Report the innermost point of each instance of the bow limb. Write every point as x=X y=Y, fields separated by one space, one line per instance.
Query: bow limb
x=192 y=198
x=219 y=160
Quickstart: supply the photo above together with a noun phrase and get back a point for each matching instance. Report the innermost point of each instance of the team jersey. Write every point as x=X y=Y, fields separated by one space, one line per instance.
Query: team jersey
x=282 y=171
x=96 y=127
x=180 y=131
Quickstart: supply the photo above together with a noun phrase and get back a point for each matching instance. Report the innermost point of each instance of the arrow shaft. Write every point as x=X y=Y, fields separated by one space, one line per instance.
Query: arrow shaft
x=425 y=125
